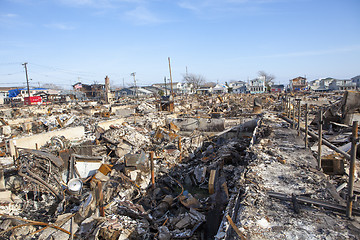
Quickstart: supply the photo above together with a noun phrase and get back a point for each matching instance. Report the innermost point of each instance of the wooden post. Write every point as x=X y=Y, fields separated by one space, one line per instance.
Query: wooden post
x=320 y=137
x=350 y=197
x=212 y=181
x=306 y=125
x=152 y=169
x=294 y=108
x=180 y=149
x=289 y=108
x=299 y=115
x=171 y=86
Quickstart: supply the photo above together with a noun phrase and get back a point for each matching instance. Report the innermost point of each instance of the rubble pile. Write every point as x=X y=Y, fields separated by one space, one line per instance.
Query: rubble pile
x=220 y=167
x=276 y=170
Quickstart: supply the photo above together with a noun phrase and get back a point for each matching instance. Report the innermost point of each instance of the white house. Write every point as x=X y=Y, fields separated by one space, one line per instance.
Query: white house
x=220 y=89
x=356 y=80
x=342 y=85
x=257 y=85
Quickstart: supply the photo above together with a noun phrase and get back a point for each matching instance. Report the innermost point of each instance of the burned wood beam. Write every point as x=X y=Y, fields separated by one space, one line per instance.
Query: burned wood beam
x=320 y=203
x=316 y=137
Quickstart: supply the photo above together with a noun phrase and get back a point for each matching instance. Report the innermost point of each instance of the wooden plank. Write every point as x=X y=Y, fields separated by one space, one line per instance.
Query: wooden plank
x=212 y=181
x=236 y=229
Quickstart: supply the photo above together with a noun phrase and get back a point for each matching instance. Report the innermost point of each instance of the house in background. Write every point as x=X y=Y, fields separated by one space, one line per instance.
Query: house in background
x=132 y=91
x=220 y=89
x=234 y=84
x=91 y=91
x=357 y=81
x=4 y=93
x=342 y=85
x=204 y=90
x=177 y=87
x=277 y=88
x=321 y=84
x=240 y=89
x=298 y=84
x=257 y=85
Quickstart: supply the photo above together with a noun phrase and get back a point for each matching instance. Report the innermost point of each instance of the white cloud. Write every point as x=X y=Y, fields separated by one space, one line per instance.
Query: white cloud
x=9 y=15
x=188 y=5
x=142 y=16
x=316 y=52
x=60 y=26
x=97 y=3
x=206 y=5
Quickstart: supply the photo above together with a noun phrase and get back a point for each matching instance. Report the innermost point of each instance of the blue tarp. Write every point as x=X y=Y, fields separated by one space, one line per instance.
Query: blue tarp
x=15 y=92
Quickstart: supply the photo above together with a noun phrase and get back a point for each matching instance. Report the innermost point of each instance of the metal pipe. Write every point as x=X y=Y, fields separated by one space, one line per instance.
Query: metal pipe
x=324 y=141
x=306 y=126
x=320 y=138
x=350 y=197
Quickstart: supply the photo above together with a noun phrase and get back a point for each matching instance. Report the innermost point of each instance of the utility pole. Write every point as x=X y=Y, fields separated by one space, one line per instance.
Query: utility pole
x=27 y=78
x=172 y=93
x=123 y=83
x=165 y=86
x=107 y=89
x=133 y=74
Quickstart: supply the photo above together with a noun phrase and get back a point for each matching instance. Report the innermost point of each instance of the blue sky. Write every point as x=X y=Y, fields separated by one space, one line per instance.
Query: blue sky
x=223 y=40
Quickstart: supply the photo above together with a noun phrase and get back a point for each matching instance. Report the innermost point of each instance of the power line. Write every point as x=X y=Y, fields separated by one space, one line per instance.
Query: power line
x=9 y=74
x=65 y=70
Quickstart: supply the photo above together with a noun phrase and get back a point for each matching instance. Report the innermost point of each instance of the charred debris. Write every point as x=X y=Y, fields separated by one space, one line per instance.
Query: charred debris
x=151 y=169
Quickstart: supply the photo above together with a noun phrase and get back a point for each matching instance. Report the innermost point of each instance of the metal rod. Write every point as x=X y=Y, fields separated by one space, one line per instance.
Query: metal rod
x=306 y=126
x=350 y=197
x=320 y=137
x=152 y=169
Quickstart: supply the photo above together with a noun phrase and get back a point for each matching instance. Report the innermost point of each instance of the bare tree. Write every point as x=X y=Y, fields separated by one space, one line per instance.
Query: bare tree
x=195 y=80
x=268 y=78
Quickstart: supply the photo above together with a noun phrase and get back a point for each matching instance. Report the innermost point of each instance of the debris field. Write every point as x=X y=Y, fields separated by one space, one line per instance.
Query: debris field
x=199 y=167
